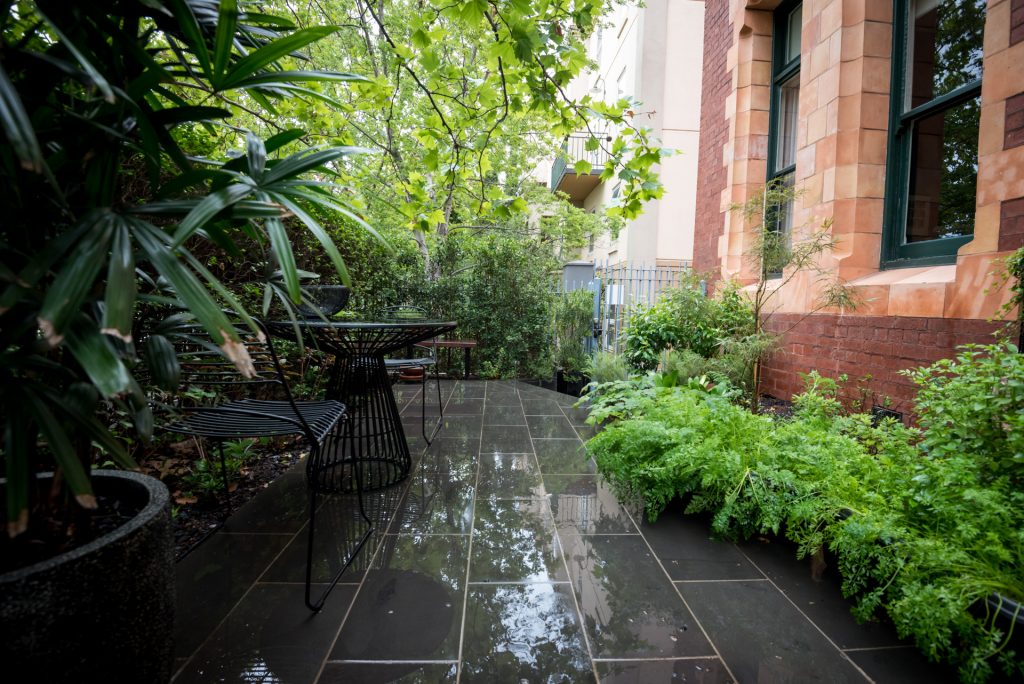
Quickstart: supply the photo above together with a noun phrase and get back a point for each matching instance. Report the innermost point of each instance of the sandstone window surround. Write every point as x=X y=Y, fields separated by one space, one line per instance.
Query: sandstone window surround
x=935 y=108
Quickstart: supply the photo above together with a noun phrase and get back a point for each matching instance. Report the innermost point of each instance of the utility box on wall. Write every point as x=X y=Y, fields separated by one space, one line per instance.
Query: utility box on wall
x=577 y=275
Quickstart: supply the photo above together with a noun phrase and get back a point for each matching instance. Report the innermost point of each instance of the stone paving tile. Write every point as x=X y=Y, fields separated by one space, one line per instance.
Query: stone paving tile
x=542 y=407
x=763 y=637
x=438 y=501
x=515 y=541
x=546 y=427
x=409 y=607
x=685 y=547
x=539 y=514
x=903 y=665
x=213 y=577
x=504 y=415
x=509 y=439
x=703 y=670
x=565 y=456
x=270 y=636
x=339 y=529
x=381 y=673
x=524 y=633
x=583 y=504
x=630 y=608
x=284 y=510
x=822 y=601
x=509 y=476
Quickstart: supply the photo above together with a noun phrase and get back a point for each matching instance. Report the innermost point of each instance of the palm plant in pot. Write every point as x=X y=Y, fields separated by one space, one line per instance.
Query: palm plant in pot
x=101 y=194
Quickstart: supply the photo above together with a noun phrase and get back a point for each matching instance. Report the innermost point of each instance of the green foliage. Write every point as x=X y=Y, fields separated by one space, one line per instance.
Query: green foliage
x=925 y=523
x=205 y=474
x=686 y=319
x=573 y=315
x=973 y=407
x=607 y=367
x=507 y=304
x=105 y=203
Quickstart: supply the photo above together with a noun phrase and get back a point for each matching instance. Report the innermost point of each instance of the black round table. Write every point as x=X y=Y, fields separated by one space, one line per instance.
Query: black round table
x=374 y=437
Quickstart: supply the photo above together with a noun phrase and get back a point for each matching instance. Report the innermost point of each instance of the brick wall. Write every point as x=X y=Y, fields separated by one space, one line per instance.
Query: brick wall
x=1016 y=21
x=714 y=133
x=1011 y=224
x=1013 y=128
x=860 y=345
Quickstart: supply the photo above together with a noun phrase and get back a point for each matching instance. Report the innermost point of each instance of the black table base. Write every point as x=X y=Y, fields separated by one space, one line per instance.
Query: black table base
x=372 y=442
x=373 y=437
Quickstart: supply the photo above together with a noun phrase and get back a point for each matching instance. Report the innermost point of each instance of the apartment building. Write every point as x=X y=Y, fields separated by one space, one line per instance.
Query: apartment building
x=651 y=54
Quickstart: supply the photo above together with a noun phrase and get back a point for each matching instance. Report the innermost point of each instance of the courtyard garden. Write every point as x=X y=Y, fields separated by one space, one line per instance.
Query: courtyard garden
x=184 y=179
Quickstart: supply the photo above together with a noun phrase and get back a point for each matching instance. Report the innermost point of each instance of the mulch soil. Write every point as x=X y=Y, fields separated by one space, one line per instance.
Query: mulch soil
x=196 y=515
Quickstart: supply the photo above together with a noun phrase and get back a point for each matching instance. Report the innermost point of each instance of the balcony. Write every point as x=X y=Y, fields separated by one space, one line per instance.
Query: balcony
x=563 y=173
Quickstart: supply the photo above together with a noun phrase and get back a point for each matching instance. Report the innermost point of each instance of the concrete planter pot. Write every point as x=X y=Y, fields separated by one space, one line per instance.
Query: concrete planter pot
x=104 y=611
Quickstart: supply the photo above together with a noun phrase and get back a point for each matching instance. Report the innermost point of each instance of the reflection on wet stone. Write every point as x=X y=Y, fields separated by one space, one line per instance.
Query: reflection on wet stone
x=523 y=633
x=515 y=541
x=583 y=504
x=388 y=673
x=509 y=476
x=630 y=608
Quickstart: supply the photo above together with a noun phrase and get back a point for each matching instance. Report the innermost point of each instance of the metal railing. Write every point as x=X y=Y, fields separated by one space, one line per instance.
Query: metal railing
x=618 y=289
x=574 y=148
x=626 y=286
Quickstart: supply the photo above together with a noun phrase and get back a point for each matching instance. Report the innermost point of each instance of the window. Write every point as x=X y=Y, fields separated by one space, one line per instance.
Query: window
x=784 y=111
x=935 y=110
x=620 y=84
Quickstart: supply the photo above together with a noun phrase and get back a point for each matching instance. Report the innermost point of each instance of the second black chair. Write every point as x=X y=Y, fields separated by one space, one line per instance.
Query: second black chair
x=202 y=364
x=420 y=364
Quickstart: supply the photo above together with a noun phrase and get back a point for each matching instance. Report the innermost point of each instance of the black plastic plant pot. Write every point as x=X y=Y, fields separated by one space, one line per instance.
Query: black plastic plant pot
x=572 y=386
x=329 y=300
x=1006 y=615
x=102 y=612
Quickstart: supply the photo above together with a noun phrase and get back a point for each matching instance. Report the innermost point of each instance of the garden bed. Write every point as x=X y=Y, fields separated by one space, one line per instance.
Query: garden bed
x=924 y=523
x=196 y=515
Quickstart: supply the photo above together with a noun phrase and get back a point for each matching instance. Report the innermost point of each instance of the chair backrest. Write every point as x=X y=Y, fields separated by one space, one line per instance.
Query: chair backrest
x=203 y=364
x=406 y=313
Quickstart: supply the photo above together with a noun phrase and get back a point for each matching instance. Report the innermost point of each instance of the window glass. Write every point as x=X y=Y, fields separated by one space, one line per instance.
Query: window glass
x=945 y=50
x=793 y=28
x=788 y=117
x=943 y=173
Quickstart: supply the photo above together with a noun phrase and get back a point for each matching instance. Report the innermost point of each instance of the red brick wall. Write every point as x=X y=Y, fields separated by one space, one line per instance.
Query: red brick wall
x=1016 y=21
x=1013 y=130
x=860 y=345
x=1011 y=224
x=714 y=133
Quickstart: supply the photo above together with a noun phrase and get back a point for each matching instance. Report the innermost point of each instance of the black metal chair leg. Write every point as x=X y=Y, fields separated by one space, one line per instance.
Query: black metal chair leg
x=319 y=604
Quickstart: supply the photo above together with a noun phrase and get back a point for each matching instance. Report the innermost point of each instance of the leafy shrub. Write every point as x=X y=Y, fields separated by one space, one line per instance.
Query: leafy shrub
x=974 y=406
x=925 y=524
x=573 y=315
x=607 y=367
x=685 y=318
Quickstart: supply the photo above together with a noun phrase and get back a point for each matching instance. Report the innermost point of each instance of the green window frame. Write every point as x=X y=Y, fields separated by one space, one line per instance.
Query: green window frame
x=783 y=110
x=910 y=115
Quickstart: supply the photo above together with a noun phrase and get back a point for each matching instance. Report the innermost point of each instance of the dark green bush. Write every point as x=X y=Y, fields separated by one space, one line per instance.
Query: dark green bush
x=685 y=318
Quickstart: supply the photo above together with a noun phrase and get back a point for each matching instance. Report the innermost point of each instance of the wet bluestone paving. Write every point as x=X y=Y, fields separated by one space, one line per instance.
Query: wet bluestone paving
x=504 y=558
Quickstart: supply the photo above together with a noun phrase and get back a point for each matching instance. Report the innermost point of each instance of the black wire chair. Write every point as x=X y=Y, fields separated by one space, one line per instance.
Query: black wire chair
x=202 y=364
x=398 y=367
